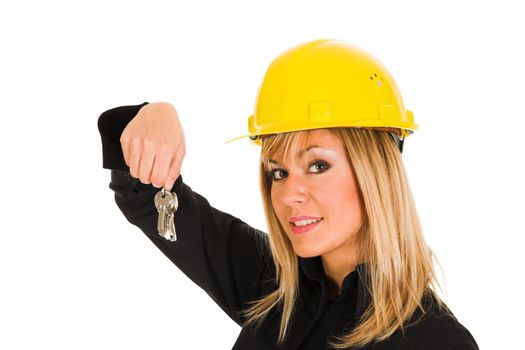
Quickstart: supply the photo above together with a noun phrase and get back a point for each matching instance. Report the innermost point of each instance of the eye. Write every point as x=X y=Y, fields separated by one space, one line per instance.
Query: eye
x=319 y=166
x=277 y=174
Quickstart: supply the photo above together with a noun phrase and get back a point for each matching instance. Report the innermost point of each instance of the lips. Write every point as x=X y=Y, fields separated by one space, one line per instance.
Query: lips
x=303 y=224
x=303 y=217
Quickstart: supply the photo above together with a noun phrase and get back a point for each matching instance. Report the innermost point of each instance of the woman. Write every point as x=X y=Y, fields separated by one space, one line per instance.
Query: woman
x=344 y=264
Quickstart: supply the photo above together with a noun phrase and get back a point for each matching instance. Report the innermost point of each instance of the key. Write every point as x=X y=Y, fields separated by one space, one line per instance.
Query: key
x=161 y=207
x=163 y=202
x=169 y=222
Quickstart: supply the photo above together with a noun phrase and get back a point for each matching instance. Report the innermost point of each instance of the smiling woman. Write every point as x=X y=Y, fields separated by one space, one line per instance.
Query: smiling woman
x=319 y=186
x=344 y=263
x=351 y=181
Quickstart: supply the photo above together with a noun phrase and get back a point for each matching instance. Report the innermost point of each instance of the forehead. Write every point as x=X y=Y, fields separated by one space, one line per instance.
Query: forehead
x=320 y=137
x=295 y=144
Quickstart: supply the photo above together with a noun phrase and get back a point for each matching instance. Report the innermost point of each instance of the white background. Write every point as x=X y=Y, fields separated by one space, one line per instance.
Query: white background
x=74 y=274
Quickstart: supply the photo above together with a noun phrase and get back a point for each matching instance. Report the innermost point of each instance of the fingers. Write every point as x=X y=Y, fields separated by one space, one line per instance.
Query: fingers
x=125 y=150
x=154 y=164
x=146 y=161
x=175 y=167
x=163 y=159
x=135 y=150
x=170 y=179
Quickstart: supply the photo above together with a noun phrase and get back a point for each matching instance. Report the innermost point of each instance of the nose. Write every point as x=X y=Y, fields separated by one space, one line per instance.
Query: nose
x=293 y=191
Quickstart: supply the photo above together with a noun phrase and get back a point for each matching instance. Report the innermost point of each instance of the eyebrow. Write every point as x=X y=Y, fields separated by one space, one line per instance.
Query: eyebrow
x=300 y=153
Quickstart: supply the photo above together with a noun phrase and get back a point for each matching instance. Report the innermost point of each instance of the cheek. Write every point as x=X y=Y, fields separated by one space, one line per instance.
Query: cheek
x=340 y=197
x=276 y=203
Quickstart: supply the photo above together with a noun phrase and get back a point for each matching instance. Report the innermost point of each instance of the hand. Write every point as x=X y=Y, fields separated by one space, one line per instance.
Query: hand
x=153 y=145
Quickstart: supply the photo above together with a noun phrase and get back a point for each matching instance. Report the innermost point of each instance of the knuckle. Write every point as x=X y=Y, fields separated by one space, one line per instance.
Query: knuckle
x=149 y=142
x=163 y=148
x=134 y=141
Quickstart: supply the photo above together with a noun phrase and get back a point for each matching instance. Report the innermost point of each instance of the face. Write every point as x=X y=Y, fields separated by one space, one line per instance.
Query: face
x=317 y=184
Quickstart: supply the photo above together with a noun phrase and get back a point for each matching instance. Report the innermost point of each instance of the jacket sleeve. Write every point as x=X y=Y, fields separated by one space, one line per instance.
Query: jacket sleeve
x=224 y=256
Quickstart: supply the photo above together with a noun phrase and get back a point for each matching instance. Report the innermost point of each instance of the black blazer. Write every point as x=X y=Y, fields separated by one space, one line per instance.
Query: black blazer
x=231 y=261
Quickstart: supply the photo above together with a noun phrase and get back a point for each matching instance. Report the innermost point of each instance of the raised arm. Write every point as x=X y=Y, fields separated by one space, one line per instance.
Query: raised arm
x=226 y=257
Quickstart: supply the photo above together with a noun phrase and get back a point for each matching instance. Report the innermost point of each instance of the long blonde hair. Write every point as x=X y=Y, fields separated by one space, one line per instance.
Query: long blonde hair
x=400 y=266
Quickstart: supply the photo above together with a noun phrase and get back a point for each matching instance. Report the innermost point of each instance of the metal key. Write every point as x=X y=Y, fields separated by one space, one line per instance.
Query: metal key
x=163 y=201
x=170 y=221
x=166 y=204
x=170 y=224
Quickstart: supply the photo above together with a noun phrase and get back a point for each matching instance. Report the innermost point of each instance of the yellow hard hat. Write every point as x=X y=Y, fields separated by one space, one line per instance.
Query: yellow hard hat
x=324 y=84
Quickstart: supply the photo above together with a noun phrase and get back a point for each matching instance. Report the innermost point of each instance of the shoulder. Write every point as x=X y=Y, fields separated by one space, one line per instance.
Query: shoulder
x=438 y=328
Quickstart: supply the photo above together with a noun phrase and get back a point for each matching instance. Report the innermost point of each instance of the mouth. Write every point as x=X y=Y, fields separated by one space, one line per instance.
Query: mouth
x=303 y=226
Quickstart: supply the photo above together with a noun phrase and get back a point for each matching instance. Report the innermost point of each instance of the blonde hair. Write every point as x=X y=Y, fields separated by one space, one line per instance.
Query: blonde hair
x=400 y=266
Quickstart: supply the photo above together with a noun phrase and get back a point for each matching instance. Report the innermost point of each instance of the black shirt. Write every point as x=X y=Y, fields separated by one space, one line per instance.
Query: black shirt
x=231 y=261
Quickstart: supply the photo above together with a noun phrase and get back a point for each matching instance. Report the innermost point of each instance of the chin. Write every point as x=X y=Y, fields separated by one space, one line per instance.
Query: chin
x=307 y=253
